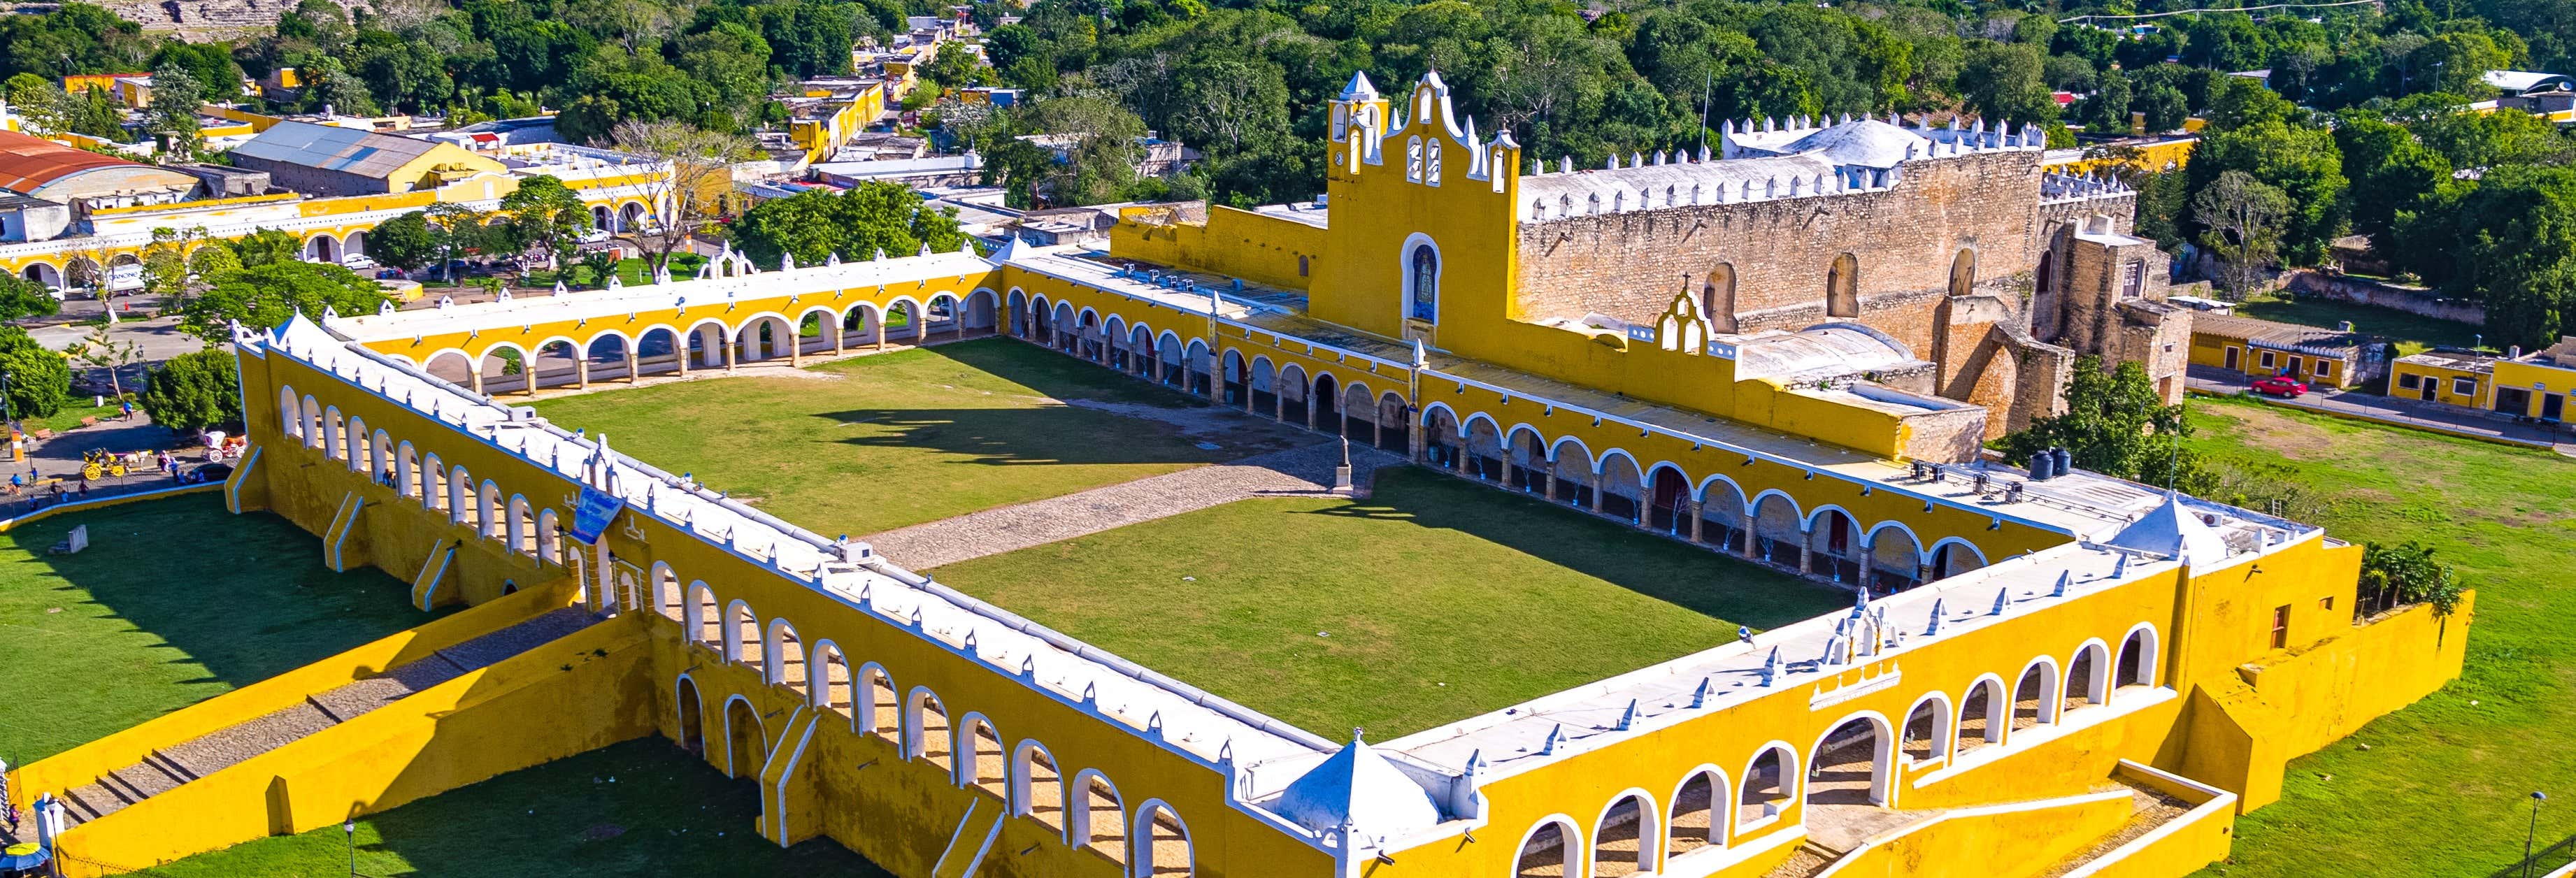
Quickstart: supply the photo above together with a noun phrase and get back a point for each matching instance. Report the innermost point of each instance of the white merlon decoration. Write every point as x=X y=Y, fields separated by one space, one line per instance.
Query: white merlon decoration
x=2003 y=599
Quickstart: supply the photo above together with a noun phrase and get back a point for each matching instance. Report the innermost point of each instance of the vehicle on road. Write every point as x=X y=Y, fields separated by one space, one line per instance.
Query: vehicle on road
x=2282 y=386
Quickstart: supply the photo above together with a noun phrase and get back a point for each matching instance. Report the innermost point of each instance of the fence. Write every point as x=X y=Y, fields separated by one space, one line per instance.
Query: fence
x=2555 y=861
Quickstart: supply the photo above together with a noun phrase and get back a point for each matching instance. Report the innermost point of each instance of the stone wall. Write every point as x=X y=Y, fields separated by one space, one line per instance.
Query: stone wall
x=2412 y=300
x=1903 y=240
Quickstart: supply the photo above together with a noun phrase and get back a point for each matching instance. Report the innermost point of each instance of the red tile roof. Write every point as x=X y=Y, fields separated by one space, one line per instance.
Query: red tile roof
x=28 y=162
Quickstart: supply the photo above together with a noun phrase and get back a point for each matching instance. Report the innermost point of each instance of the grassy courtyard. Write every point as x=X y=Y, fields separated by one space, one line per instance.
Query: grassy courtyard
x=878 y=442
x=2443 y=788
x=1432 y=601
x=639 y=808
x=175 y=601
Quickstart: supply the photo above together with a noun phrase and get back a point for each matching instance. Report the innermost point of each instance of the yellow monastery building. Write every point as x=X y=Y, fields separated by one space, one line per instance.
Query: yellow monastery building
x=1772 y=352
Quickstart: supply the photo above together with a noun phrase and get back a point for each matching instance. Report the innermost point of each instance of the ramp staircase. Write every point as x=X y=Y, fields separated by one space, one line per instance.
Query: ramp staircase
x=424 y=585
x=976 y=833
x=778 y=775
x=335 y=539
x=167 y=768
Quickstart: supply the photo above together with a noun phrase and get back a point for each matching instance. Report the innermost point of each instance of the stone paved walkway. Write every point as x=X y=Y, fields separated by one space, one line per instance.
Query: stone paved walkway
x=1296 y=472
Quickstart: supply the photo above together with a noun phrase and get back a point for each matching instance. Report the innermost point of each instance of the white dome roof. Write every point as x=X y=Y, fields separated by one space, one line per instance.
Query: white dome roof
x=1358 y=790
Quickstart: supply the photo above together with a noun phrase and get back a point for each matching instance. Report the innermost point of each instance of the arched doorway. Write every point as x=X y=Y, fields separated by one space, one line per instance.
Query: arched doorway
x=746 y=748
x=1717 y=298
x=1327 y=403
x=693 y=732
x=1548 y=853
x=1851 y=765
x=1842 y=287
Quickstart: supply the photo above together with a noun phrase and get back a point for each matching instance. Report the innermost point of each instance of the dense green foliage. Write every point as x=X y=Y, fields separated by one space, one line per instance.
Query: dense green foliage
x=20 y=297
x=2114 y=424
x=39 y=379
x=858 y=224
x=194 y=391
x=268 y=294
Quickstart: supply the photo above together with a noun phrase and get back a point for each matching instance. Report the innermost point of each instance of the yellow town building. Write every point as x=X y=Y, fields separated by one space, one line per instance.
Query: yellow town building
x=2028 y=664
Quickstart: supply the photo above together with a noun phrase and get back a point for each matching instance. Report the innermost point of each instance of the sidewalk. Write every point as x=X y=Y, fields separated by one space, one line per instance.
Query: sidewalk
x=2398 y=411
x=60 y=458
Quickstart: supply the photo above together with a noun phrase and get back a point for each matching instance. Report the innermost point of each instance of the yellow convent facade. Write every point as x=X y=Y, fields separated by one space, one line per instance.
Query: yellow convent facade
x=2028 y=664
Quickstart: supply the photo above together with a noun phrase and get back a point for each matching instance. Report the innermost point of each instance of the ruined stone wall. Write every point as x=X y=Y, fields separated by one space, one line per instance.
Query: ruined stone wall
x=1903 y=240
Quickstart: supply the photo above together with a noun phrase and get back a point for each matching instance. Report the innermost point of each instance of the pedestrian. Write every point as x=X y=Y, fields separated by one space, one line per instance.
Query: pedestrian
x=84 y=486
x=127 y=409
x=16 y=482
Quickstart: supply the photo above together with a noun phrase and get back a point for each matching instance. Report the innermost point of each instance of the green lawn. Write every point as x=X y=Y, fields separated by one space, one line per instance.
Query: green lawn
x=1432 y=601
x=639 y=808
x=175 y=601
x=903 y=437
x=633 y=272
x=2413 y=333
x=2443 y=789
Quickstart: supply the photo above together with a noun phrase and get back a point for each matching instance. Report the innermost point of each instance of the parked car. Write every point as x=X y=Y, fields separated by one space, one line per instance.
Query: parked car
x=2282 y=386
x=357 y=262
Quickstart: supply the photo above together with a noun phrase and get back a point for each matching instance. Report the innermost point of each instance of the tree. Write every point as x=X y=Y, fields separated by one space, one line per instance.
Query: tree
x=176 y=96
x=2408 y=574
x=101 y=350
x=20 y=298
x=406 y=242
x=2508 y=241
x=193 y=392
x=689 y=198
x=855 y=224
x=39 y=379
x=547 y=216
x=2242 y=217
x=2115 y=424
x=459 y=230
x=267 y=247
x=2002 y=82
x=267 y=295
x=211 y=258
x=39 y=103
x=2392 y=173
x=165 y=262
x=2300 y=161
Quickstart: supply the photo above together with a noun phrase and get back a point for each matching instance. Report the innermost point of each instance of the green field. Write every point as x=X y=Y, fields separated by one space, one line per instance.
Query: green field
x=1430 y=602
x=2443 y=788
x=175 y=601
x=2413 y=333
x=641 y=808
x=899 y=438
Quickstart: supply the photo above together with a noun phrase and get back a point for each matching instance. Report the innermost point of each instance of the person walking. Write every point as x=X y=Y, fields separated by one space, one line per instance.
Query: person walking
x=125 y=409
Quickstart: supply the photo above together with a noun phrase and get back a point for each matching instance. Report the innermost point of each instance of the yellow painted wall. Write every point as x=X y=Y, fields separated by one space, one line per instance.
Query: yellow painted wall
x=526 y=710
x=2539 y=380
x=2331 y=689
x=2443 y=381
x=81 y=765
x=2211 y=350
x=2010 y=841
x=1235 y=243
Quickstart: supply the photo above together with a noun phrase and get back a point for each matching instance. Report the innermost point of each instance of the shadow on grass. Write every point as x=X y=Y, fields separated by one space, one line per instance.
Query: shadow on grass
x=1051 y=373
x=1018 y=436
x=1698 y=580
x=638 y=808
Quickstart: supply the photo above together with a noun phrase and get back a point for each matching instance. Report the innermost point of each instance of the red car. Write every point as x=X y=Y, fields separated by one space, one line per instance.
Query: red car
x=2282 y=386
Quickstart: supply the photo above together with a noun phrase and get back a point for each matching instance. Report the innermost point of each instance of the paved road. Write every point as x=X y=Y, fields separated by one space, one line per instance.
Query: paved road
x=2392 y=410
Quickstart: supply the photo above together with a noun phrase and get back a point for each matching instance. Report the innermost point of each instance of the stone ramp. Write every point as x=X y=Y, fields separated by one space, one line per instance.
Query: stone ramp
x=1297 y=472
x=167 y=768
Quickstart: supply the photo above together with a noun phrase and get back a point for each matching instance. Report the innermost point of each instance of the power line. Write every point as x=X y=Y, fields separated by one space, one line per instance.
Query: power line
x=2227 y=9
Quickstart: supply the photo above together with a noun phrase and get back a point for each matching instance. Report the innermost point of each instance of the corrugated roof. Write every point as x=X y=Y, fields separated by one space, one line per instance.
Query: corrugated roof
x=2284 y=336
x=28 y=162
x=347 y=150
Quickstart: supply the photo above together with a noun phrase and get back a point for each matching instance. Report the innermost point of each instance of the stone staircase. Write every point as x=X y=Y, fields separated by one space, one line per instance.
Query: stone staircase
x=165 y=769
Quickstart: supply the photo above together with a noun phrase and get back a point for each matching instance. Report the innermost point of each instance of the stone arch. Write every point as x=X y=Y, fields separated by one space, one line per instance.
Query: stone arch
x=290 y=413
x=1667 y=499
x=690 y=710
x=784 y=663
x=44 y=274
x=941 y=311
x=406 y=470
x=1624 y=838
x=1140 y=351
x=1359 y=413
x=1571 y=462
x=1441 y=437
x=1037 y=786
x=742 y=644
x=631 y=217
x=656 y=345
x=1833 y=543
x=1115 y=345
x=322 y=247
x=1854 y=762
x=1294 y=391
x=1326 y=403
x=1552 y=847
x=666 y=592
x=2088 y=676
x=2138 y=658
x=1163 y=849
x=492 y=526
x=503 y=366
x=1952 y=556
x=1770 y=786
x=1895 y=557
x=1394 y=423
x=1842 y=287
x=1717 y=297
x=1698 y=819
x=1485 y=453
x=433 y=483
x=313 y=422
x=1920 y=740
x=925 y=722
x=1234 y=380
x=460 y=497
x=2035 y=696
x=879 y=711
x=332 y=431
x=1067 y=326
x=1722 y=514
x=1263 y=379
x=1779 y=528
x=979 y=311
x=906 y=314
x=981 y=762
x=1622 y=488
x=1983 y=714
x=1168 y=354
x=831 y=682
x=1963 y=271
x=1100 y=820
x=1019 y=308
x=1197 y=368
x=519 y=526
x=746 y=741
x=1041 y=320
x=1527 y=464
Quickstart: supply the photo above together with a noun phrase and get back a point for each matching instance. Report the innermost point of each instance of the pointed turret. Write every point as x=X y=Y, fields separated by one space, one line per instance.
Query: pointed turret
x=2174 y=530
x=1360 y=88
x=1359 y=790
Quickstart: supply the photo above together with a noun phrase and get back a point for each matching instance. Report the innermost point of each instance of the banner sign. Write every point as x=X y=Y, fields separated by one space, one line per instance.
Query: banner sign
x=597 y=509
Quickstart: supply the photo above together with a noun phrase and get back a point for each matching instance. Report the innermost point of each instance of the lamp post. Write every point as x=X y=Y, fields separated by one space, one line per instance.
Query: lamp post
x=349 y=830
x=2533 y=833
